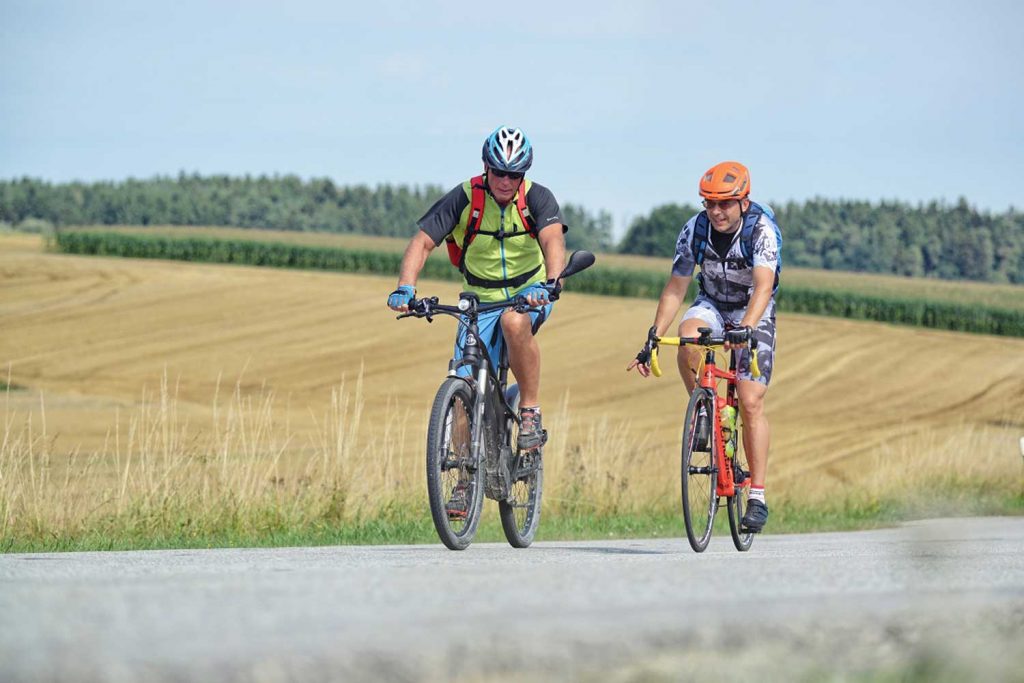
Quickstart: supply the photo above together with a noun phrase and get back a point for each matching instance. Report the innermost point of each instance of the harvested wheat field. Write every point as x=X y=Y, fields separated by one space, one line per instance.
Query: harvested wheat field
x=87 y=343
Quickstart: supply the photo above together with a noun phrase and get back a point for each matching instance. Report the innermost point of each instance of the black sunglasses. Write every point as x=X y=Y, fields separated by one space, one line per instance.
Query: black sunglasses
x=505 y=174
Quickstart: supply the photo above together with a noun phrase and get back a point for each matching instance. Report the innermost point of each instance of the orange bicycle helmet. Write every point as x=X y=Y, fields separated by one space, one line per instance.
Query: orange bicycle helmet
x=727 y=180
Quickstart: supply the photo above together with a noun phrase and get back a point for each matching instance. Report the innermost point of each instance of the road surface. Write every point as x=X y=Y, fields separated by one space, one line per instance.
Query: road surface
x=940 y=599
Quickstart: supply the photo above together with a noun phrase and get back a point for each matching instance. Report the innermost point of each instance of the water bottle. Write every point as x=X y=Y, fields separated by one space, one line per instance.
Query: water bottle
x=729 y=430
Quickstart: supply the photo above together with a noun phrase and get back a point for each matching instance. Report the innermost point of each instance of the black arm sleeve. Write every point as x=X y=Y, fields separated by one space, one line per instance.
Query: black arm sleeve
x=443 y=216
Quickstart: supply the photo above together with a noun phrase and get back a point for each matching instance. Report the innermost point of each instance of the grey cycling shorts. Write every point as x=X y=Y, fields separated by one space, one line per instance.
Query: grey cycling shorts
x=720 y=321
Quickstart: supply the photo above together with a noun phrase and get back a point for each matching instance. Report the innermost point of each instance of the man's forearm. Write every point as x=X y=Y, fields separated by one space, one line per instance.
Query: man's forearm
x=756 y=308
x=669 y=303
x=415 y=256
x=553 y=247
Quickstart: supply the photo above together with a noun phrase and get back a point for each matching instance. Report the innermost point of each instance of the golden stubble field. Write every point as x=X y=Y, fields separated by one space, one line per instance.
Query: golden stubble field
x=89 y=341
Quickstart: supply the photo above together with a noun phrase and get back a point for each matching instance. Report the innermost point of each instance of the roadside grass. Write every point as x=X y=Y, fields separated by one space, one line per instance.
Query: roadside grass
x=158 y=483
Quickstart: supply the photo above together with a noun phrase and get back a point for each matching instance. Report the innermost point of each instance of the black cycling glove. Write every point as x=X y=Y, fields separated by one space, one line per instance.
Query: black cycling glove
x=645 y=353
x=740 y=335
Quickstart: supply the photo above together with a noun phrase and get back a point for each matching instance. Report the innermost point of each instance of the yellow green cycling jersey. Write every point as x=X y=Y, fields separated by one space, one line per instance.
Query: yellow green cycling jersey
x=502 y=258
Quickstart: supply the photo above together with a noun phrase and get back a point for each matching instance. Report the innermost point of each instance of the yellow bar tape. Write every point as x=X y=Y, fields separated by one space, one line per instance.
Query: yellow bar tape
x=755 y=370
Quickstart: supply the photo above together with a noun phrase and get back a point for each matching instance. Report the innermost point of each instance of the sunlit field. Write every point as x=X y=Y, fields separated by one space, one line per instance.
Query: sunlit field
x=151 y=399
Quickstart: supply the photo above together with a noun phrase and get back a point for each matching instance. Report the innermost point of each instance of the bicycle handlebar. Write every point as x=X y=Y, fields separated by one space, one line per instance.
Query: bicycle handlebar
x=427 y=307
x=708 y=342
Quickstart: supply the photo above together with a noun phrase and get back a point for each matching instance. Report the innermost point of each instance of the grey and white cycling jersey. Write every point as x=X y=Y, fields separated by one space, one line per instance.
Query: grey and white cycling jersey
x=726 y=278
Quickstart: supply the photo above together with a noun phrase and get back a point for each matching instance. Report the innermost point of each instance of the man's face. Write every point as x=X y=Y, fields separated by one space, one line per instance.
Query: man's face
x=726 y=214
x=503 y=185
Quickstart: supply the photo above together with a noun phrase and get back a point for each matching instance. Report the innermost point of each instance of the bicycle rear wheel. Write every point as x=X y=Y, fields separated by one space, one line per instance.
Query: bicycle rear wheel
x=454 y=479
x=699 y=470
x=520 y=512
x=737 y=503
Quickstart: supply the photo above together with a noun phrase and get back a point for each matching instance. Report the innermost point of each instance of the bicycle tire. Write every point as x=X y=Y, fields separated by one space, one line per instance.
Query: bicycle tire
x=520 y=512
x=699 y=471
x=450 y=464
x=737 y=503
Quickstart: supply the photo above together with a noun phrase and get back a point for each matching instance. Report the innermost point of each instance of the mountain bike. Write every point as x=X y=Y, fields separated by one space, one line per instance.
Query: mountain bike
x=471 y=449
x=713 y=466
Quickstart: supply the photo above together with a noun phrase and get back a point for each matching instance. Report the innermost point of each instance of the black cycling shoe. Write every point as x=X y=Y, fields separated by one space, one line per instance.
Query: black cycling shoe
x=754 y=519
x=531 y=434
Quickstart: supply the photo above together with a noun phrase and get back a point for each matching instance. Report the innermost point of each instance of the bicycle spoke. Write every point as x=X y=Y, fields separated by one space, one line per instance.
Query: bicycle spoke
x=452 y=477
x=699 y=473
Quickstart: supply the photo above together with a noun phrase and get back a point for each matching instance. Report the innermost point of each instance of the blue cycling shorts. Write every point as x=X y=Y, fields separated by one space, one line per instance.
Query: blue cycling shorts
x=490 y=334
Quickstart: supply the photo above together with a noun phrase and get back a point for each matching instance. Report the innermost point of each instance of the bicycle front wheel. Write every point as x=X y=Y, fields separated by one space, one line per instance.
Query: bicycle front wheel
x=520 y=512
x=454 y=477
x=737 y=503
x=699 y=471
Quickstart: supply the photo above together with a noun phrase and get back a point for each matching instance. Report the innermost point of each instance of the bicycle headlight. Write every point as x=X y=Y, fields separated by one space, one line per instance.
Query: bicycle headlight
x=463 y=304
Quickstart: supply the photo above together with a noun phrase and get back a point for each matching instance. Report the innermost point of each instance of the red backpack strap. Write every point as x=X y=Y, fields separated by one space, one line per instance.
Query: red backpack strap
x=477 y=201
x=529 y=222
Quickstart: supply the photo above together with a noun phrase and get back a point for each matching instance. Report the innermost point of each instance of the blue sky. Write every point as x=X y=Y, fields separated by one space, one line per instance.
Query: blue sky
x=626 y=103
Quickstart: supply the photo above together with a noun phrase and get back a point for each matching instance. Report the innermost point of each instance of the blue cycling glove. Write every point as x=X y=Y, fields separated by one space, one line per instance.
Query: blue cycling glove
x=403 y=296
x=543 y=292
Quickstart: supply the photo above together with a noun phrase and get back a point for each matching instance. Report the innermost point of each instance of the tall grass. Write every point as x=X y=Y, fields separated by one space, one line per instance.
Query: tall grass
x=962 y=470
x=248 y=480
x=158 y=478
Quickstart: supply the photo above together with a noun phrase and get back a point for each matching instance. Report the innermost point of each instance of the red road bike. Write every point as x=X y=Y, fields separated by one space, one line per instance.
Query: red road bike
x=713 y=464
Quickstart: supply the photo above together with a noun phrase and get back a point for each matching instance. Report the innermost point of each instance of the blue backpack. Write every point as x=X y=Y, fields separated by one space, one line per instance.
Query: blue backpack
x=702 y=232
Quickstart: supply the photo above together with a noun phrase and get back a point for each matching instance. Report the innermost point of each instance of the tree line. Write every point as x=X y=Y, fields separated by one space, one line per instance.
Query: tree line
x=268 y=202
x=954 y=242
x=930 y=240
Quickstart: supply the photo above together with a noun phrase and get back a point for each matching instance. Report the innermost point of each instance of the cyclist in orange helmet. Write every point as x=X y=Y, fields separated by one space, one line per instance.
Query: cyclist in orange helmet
x=737 y=244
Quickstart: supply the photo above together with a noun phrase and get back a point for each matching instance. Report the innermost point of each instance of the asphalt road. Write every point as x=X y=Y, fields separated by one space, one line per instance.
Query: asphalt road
x=939 y=600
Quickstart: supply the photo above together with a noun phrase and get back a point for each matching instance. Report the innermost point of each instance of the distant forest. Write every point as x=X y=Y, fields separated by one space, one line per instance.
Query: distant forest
x=930 y=240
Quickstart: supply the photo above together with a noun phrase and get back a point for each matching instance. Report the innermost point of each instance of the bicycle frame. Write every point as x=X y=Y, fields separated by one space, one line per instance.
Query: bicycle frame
x=710 y=377
x=484 y=379
x=726 y=484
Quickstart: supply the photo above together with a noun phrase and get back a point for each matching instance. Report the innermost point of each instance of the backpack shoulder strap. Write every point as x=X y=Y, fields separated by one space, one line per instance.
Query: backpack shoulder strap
x=477 y=201
x=750 y=220
x=700 y=236
x=529 y=222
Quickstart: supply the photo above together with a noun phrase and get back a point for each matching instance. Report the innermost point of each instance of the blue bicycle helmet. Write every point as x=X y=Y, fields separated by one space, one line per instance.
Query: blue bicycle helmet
x=508 y=149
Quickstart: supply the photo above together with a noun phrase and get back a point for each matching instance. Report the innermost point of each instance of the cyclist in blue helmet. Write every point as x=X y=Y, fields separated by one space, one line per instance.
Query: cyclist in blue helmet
x=508 y=149
x=506 y=235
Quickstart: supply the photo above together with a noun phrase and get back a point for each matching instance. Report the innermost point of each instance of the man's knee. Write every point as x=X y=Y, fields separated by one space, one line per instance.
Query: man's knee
x=691 y=327
x=518 y=328
x=752 y=395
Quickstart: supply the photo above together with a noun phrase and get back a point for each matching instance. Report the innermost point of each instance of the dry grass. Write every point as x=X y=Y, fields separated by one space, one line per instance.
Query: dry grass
x=122 y=409
x=159 y=474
